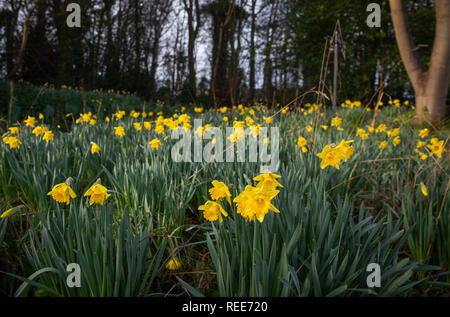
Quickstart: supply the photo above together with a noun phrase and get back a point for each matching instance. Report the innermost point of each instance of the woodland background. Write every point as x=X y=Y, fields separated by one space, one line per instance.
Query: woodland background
x=219 y=52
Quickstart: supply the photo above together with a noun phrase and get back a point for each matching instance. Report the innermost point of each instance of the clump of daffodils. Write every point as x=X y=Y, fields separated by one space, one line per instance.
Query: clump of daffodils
x=254 y=203
x=62 y=193
x=332 y=155
x=13 y=142
x=39 y=130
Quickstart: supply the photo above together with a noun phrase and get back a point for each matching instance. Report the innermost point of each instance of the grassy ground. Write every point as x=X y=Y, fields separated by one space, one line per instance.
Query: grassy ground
x=387 y=206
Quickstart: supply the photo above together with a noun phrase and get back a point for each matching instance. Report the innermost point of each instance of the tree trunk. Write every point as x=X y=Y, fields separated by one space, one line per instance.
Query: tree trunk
x=430 y=86
x=268 y=68
x=252 y=53
x=14 y=70
x=193 y=13
x=220 y=41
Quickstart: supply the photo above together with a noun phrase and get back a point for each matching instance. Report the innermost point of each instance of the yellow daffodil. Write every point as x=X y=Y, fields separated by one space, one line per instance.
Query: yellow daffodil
x=301 y=142
x=220 y=190
x=13 y=142
x=346 y=150
x=424 y=133
x=437 y=148
x=336 y=122
x=423 y=189
x=200 y=131
x=255 y=203
x=48 y=136
x=155 y=143
x=255 y=130
x=39 y=130
x=173 y=264
x=94 y=148
x=159 y=129
x=184 y=118
x=62 y=193
x=119 y=131
x=14 y=130
x=268 y=181
x=187 y=126
x=30 y=121
x=213 y=211
x=332 y=154
x=98 y=194
x=395 y=132
x=330 y=157
x=85 y=117
x=119 y=115
x=8 y=213
x=383 y=145
x=381 y=128
x=147 y=125
x=362 y=134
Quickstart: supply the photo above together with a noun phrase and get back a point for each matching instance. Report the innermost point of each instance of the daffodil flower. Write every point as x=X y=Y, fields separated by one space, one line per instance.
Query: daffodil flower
x=62 y=193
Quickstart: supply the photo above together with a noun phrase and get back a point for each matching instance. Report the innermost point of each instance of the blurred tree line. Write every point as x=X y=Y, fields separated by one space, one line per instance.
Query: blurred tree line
x=253 y=50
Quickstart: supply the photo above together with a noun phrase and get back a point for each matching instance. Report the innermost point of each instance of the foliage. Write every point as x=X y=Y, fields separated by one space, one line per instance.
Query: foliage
x=332 y=223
